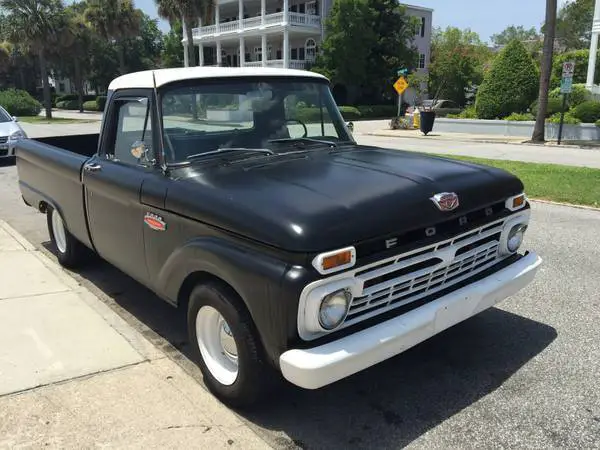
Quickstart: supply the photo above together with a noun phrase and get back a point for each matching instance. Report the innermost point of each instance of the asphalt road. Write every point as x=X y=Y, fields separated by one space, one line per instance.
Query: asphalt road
x=525 y=374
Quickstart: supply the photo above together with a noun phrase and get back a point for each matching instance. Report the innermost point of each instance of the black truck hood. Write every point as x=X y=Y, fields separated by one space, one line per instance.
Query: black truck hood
x=323 y=200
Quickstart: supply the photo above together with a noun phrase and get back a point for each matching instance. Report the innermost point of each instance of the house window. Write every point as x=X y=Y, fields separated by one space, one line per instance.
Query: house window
x=311 y=49
x=294 y=8
x=279 y=54
x=422 y=26
x=422 y=61
x=61 y=87
x=311 y=8
x=301 y=8
x=294 y=53
x=301 y=54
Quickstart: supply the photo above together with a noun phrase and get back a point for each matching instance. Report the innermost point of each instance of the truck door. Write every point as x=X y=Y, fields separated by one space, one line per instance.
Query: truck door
x=113 y=181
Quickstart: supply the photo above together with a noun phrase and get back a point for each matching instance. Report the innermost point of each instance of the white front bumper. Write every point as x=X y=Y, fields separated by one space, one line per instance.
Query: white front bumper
x=319 y=366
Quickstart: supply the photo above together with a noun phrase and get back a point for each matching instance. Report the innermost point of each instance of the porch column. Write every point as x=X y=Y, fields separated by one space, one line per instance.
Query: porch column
x=286 y=47
x=264 y=49
x=242 y=58
x=219 y=61
x=217 y=17
x=593 y=47
x=186 y=59
x=286 y=11
x=200 y=46
x=241 y=13
x=263 y=11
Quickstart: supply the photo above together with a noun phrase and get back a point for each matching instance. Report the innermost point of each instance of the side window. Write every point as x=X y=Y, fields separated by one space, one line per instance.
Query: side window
x=133 y=134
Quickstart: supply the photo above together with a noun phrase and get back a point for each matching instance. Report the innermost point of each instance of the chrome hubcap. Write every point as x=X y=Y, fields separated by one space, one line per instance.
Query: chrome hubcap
x=217 y=345
x=58 y=230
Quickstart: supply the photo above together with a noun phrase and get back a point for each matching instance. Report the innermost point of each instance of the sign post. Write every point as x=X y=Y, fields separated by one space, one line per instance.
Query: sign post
x=566 y=86
x=400 y=85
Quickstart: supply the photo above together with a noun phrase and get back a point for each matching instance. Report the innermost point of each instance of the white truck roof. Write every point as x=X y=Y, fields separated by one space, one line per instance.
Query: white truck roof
x=164 y=76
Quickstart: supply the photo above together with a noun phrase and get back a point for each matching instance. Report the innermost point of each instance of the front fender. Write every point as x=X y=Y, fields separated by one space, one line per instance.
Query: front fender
x=255 y=276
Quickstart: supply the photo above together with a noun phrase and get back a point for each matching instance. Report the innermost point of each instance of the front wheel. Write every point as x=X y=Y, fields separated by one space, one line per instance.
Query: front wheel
x=228 y=352
x=69 y=251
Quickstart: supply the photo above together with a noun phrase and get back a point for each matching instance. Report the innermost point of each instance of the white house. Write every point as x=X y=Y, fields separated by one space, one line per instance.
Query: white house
x=279 y=33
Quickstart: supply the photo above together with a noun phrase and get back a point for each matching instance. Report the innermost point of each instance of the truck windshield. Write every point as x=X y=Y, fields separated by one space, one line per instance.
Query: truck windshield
x=279 y=115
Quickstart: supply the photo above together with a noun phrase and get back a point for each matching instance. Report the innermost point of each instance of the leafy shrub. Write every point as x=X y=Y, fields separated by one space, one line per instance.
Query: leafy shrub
x=70 y=97
x=467 y=113
x=101 y=101
x=580 y=57
x=90 y=105
x=308 y=115
x=350 y=112
x=598 y=123
x=19 y=103
x=569 y=119
x=67 y=104
x=520 y=117
x=510 y=85
x=554 y=106
x=587 y=112
x=579 y=95
x=377 y=111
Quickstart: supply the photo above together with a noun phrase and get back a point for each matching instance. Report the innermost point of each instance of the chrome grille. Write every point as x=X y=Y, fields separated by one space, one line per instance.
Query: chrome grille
x=406 y=278
x=3 y=139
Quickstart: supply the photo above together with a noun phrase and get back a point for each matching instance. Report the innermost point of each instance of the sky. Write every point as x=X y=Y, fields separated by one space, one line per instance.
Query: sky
x=486 y=17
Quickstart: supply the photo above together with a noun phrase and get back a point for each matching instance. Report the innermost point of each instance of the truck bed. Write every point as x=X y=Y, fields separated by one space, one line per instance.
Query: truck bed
x=50 y=175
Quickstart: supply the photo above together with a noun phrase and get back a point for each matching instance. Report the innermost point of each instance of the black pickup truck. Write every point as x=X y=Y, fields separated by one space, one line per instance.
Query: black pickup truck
x=242 y=196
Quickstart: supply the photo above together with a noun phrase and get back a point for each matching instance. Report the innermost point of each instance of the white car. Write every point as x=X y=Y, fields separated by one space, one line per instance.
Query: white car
x=10 y=133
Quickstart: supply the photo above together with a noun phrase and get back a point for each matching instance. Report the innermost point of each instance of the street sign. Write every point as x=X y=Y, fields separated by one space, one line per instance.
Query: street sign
x=568 y=69
x=566 y=85
x=400 y=85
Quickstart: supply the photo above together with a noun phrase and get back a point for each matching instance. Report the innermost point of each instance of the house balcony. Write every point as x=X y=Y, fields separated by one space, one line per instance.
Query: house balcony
x=278 y=63
x=254 y=26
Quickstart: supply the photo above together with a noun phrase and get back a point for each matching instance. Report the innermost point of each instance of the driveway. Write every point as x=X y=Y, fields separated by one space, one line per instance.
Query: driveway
x=521 y=375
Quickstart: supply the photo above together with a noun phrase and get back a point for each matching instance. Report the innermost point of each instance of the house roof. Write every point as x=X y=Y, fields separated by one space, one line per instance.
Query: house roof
x=145 y=79
x=418 y=8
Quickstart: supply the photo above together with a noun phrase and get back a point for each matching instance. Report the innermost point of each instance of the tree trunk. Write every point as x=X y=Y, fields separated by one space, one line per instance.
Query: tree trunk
x=546 y=70
x=79 y=83
x=45 y=84
x=121 y=51
x=190 y=40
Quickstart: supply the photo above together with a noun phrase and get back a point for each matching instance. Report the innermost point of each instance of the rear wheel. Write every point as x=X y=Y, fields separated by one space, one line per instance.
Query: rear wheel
x=228 y=352
x=69 y=251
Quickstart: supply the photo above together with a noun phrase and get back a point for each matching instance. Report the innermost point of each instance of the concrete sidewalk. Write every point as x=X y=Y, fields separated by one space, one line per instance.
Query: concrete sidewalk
x=73 y=374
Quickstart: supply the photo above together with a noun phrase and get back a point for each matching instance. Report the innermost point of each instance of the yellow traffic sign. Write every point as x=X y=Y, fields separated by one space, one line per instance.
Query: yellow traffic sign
x=400 y=85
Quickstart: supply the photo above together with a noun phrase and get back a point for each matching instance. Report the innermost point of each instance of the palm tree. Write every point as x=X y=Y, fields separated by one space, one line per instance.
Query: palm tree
x=115 y=20
x=546 y=71
x=36 y=24
x=188 y=12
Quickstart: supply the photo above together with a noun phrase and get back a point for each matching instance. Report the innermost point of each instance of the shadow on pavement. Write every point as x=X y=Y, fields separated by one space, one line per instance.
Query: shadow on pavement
x=6 y=161
x=386 y=406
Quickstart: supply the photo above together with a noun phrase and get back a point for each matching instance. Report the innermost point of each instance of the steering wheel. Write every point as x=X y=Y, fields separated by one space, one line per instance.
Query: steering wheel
x=301 y=123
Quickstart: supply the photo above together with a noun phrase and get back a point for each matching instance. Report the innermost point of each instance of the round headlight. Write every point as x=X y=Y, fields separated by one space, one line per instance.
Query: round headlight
x=334 y=308
x=515 y=237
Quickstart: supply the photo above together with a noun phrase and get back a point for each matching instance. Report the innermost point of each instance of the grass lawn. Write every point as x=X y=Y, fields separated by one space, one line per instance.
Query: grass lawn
x=41 y=119
x=566 y=184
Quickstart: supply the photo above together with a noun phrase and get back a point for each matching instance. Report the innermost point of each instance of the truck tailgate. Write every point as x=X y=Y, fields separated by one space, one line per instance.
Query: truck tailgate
x=53 y=175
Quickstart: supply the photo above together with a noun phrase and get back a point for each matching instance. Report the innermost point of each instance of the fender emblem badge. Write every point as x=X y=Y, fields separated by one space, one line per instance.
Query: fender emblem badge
x=155 y=222
x=445 y=201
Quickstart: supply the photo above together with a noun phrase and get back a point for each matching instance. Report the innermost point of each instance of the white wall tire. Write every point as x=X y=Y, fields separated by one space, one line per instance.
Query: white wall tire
x=69 y=251
x=226 y=346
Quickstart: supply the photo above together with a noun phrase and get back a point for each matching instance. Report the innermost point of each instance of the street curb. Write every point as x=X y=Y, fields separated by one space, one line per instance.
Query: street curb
x=570 y=205
x=16 y=236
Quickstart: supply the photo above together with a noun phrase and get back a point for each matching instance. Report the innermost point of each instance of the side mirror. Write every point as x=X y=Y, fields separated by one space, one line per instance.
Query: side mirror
x=350 y=126
x=15 y=118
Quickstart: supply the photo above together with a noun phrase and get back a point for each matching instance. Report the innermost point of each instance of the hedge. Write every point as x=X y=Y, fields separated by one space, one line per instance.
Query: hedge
x=587 y=112
x=90 y=105
x=377 y=111
x=578 y=95
x=67 y=104
x=101 y=102
x=554 y=106
x=520 y=117
x=350 y=112
x=510 y=85
x=68 y=97
x=19 y=103
x=569 y=119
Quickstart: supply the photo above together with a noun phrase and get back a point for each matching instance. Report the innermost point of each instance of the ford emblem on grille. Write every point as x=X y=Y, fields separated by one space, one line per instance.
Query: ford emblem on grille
x=445 y=201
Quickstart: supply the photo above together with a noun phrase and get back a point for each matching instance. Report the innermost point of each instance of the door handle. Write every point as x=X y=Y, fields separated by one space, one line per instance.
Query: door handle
x=92 y=167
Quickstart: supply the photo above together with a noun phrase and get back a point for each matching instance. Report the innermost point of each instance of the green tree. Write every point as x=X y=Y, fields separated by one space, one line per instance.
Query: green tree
x=457 y=63
x=37 y=25
x=367 y=41
x=515 y=32
x=116 y=21
x=574 y=24
x=511 y=84
x=580 y=57
x=172 y=52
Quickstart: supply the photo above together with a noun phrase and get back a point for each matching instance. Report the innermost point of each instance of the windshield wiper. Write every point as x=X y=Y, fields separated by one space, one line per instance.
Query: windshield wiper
x=264 y=151
x=303 y=139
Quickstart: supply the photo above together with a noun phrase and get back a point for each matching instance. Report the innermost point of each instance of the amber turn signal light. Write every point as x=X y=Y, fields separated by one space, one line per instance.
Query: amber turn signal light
x=516 y=202
x=339 y=259
x=335 y=260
